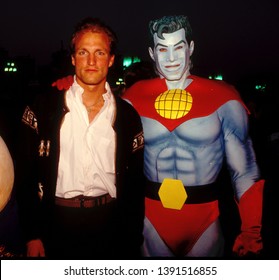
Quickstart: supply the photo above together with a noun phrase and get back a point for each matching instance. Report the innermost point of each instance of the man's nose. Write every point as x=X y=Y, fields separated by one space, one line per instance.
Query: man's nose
x=91 y=59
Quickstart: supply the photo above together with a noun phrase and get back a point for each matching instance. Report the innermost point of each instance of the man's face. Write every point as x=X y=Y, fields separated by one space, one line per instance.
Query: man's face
x=172 y=54
x=92 y=58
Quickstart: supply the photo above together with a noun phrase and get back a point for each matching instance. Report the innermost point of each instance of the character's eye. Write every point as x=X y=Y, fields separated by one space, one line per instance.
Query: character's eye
x=163 y=50
x=179 y=47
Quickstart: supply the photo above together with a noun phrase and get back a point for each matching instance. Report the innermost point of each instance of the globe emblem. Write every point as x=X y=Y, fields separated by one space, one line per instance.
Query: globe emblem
x=173 y=104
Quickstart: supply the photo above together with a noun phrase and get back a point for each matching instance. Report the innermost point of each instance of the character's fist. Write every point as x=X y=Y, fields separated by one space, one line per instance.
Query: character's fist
x=64 y=83
x=247 y=243
x=35 y=248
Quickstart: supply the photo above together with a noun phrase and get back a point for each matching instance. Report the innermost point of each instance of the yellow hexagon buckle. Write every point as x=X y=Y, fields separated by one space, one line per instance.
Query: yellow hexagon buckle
x=172 y=194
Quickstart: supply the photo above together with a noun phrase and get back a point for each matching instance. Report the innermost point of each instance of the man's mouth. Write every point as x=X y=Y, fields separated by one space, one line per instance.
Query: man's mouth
x=91 y=70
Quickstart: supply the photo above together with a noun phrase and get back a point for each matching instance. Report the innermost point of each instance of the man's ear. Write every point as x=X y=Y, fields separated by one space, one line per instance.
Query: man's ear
x=73 y=60
x=192 y=46
x=151 y=53
x=111 y=61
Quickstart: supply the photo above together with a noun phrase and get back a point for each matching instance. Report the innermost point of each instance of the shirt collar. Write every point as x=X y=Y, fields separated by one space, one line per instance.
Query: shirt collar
x=77 y=90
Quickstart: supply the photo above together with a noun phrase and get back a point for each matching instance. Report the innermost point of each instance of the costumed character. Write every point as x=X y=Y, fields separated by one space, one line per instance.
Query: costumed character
x=192 y=126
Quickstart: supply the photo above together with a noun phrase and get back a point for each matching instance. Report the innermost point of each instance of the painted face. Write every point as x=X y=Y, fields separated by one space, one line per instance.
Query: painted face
x=172 y=54
x=92 y=58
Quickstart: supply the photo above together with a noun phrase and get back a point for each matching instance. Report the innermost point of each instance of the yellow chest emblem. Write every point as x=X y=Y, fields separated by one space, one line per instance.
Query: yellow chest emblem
x=173 y=104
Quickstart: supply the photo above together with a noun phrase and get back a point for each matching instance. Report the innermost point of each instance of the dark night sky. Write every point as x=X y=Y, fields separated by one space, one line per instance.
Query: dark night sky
x=234 y=37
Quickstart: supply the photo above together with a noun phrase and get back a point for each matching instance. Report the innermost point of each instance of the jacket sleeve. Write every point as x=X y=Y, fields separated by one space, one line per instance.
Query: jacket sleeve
x=27 y=175
x=130 y=180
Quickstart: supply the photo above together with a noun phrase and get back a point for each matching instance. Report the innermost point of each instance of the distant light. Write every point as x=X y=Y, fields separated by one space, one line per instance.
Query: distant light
x=260 y=87
x=128 y=60
x=136 y=59
x=120 y=81
x=10 y=67
x=216 y=77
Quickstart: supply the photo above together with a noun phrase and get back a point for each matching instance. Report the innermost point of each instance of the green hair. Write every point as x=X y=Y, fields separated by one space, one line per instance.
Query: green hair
x=170 y=24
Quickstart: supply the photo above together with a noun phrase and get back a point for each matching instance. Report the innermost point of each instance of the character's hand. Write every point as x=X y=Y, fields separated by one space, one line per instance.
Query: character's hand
x=35 y=248
x=64 y=83
x=247 y=243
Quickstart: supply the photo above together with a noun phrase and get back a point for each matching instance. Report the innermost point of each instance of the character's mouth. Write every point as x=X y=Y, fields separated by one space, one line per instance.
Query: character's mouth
x=172 y=66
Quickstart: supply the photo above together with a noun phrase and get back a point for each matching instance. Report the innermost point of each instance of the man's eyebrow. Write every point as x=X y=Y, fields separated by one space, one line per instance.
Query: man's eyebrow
x=178 y=43
x=81 y=49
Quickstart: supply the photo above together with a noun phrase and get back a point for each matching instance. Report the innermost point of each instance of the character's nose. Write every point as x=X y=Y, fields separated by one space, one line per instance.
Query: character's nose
x=171 y=55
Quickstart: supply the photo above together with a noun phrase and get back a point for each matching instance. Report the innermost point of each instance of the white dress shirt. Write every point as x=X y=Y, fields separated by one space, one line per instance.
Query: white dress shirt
x=87 y=150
